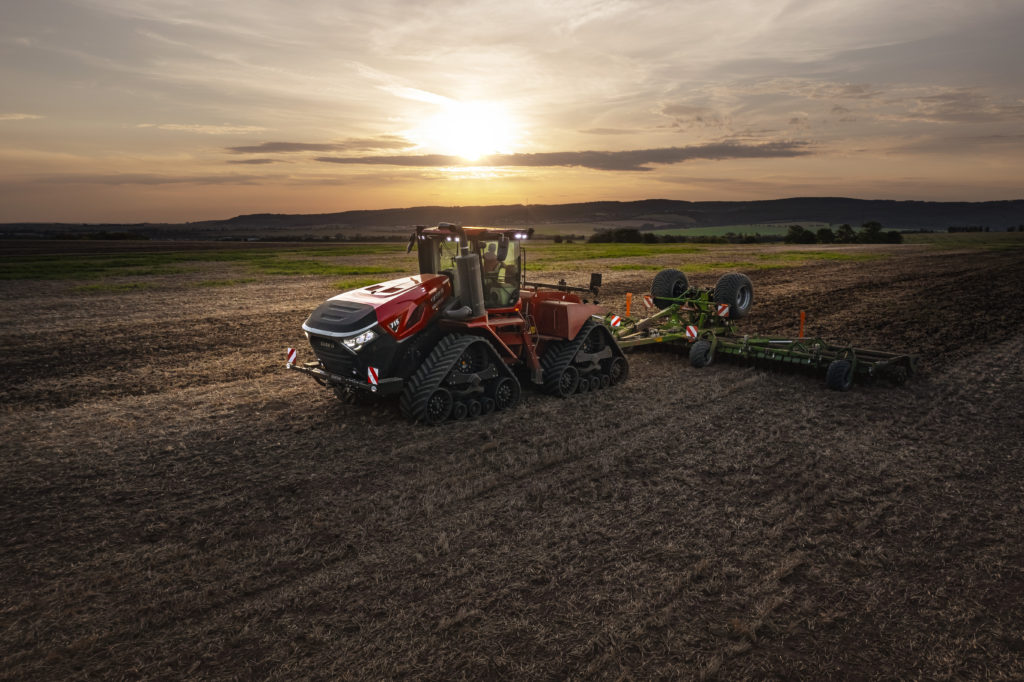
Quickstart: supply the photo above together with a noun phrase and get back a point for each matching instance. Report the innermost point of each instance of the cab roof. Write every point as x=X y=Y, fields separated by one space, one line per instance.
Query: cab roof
x=450 y=230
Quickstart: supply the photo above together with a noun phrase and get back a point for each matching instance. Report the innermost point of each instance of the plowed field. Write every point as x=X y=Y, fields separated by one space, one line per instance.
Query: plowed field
x=174 y=504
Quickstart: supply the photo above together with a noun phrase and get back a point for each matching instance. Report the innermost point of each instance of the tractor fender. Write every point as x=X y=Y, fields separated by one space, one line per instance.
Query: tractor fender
x=563 y=319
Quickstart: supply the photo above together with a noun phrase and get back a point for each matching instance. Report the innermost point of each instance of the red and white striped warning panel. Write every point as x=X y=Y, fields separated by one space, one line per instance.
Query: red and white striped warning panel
x=291 y=355
x=371 y=375
x=723 y=310
x=648 y=301
x=691 y=332
x=615 y=321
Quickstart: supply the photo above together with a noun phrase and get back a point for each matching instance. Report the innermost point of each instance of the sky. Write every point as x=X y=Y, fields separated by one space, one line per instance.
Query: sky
x=179 y=110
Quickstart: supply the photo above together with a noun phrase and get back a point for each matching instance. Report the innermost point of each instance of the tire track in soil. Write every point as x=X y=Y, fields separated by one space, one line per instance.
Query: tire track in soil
x=585 y=558
x=403 y=528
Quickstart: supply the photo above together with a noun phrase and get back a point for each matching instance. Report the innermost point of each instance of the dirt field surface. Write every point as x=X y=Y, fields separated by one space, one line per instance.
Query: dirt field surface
x=174 y=504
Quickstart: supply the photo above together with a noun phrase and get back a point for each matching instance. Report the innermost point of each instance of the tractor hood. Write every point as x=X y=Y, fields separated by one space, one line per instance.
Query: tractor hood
x=399 y=306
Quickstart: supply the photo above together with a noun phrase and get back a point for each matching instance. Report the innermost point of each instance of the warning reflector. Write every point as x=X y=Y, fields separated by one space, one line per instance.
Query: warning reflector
x=615 y=321
x=371 y=376
x=648 y=301
x=723 y=310
x=691 y=332
x=291 y=354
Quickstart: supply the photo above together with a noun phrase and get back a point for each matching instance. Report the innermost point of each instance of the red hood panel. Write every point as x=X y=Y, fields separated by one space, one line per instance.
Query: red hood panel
x=404 y=289
x=399 y=299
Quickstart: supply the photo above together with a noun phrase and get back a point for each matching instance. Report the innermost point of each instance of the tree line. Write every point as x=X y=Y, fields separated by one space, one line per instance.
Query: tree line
x=870 y=233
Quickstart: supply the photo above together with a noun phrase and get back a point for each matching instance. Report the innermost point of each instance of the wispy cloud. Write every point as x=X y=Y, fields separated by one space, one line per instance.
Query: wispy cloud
x=351 y=145
x=631 y=160
x=254 y=162
x=150 y=179
x=18 y=117
x=204 y=129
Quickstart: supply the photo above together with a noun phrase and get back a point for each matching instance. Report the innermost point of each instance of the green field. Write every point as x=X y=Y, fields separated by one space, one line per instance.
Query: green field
x=356 y=265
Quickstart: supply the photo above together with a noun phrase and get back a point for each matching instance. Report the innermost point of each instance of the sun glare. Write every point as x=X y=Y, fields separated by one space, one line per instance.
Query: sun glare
x=469 y=129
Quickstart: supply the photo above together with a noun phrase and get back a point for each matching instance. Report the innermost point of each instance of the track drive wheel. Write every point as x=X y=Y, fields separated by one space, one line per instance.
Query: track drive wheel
x=567 y=382
x=840 y=375
x=668 y=284
x=618 y=371
x=439 y=406
x=505 y=392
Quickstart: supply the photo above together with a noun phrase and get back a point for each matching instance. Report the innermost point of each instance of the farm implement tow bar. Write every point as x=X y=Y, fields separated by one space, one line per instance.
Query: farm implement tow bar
x=705 y=319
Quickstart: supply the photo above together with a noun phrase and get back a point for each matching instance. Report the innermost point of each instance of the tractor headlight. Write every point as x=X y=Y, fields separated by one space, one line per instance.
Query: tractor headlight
x=356 y=342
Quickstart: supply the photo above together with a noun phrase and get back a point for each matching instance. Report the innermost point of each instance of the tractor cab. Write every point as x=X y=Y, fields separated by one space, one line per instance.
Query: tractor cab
x=488 y=259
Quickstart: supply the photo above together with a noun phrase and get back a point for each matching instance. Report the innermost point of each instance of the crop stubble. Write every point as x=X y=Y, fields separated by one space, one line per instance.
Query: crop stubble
x=172 y=502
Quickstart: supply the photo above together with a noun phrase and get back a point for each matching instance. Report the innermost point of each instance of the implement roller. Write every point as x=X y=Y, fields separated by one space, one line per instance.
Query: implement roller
x=705 y=320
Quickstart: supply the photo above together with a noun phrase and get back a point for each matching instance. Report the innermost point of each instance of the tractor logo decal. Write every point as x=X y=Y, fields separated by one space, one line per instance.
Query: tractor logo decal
x=615 y=321
x=691 y=332
x=723 y=310
x=291 y=354
x=394 y=324
x=371 y=376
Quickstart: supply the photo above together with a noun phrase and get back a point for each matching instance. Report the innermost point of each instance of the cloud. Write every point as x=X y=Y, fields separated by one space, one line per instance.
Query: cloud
x=608 y=131
x=633 y=160
x=254 y=162
x=204 y=129
x=18 y=117
x=351 y=145
x=963 y=106
x=150 y=179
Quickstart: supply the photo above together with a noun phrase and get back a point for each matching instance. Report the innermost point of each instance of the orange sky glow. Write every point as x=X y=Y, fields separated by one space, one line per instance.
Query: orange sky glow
x=177 y=110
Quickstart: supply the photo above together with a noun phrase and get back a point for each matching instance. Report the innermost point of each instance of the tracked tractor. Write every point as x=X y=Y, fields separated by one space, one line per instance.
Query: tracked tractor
x=459 y=339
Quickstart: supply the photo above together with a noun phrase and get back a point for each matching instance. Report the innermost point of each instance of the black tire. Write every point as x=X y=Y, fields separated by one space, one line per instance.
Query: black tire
x=668 y=284
x=567 y=382
x=735 y=290
x=840 y=375
x=505 y=393
x=700 y=353
x=618 y=371
x=439 y=406
x=428 y=379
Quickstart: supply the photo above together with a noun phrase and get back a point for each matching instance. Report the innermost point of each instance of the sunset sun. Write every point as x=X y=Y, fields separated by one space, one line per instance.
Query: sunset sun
x=470 y=130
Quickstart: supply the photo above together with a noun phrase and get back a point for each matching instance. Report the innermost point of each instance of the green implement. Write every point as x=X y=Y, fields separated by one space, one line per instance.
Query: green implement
x=705 y=319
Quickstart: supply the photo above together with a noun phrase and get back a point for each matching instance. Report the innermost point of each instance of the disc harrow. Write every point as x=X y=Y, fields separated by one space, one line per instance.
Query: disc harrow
x=705 y=321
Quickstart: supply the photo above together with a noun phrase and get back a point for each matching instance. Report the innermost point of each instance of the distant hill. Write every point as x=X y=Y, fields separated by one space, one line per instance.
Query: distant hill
x=647 y=214
x=892 y=214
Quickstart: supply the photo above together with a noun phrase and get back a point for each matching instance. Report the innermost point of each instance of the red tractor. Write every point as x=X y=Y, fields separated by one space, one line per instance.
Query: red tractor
x=457 y=339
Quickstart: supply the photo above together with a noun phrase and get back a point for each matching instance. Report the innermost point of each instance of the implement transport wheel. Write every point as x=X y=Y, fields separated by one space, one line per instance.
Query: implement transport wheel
x=700 y=353
x=506 y=392
x=618 y=371
x=439 y=406
x=735 y=290
x=840 y=375
x=668 y=284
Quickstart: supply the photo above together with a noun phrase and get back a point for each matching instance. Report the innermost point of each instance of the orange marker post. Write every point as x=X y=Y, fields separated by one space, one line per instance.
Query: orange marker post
x=629 y=302
x=803 y=316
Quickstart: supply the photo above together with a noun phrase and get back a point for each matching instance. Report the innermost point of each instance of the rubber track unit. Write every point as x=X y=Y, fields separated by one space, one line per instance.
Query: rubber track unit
x=559 y=356
x=438 y=365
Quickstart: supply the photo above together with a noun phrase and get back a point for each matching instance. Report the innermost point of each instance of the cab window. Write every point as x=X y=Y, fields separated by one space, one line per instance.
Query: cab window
x=500 y=268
